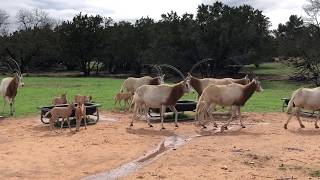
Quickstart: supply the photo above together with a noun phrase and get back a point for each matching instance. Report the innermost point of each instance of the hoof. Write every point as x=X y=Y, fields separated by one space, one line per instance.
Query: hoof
x=316 y=126
x=215 y=125
x=163 y=128
x=177 y=125
x=131 y=125
x=150 y=125
x=285 y=126
x=243 y=126
x=302 y=126
x=204 y=127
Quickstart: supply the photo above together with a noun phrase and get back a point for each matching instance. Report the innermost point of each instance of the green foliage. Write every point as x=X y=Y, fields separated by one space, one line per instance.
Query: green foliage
x=230 y=35
x=81 y=41
x=298 y=44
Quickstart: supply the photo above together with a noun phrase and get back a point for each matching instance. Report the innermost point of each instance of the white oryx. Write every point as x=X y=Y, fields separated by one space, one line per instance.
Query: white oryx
x=307 y=98
x=233 y=95
x=9 y=85
x=160 y=96
x=131 y=84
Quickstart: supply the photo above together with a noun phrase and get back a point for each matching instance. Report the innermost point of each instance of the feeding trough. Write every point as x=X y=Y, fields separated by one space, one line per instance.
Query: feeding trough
x=181 y=106
x=92 y=112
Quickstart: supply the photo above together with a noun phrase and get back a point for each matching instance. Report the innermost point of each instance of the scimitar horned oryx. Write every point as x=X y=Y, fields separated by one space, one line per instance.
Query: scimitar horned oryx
x=9 y=85
x=160 y=96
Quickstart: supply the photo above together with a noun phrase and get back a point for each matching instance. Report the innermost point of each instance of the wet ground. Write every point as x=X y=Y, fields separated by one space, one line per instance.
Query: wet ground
x=112 y=150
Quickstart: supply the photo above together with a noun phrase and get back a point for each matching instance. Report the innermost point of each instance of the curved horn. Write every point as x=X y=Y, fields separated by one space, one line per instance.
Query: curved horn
x=12 y=70
x=156 y=67
x=15 y=62
x=200 y=62
x=173 y=68
x=159 y=70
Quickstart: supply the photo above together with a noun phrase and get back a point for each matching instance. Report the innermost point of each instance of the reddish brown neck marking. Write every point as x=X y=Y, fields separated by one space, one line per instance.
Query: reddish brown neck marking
x=154 y=81
x=175 y=94
x=196 y=84
x=247 y=92
x=12 y=88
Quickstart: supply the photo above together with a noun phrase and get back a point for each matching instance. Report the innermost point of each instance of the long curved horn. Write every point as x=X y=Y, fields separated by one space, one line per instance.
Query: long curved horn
x=159 y=70
x=200 y=62
x=12 y=70
x=156 y=67
x=175 y=69
x=15 y=62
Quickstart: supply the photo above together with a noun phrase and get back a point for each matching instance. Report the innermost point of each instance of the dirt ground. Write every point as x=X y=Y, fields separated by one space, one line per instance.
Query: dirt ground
x=263 y=150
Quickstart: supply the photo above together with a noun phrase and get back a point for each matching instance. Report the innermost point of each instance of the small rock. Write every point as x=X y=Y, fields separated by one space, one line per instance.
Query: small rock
x=251 y=162
x=224 y=168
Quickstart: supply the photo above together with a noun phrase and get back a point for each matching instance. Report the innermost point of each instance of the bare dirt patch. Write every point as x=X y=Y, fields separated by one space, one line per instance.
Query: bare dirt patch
x=263 y=150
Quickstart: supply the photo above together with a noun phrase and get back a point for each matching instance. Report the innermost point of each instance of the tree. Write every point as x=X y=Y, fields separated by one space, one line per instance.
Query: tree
x=35 y=18
x=312 y=9
x=3 y=22
x=233 y=35
x=82 y=41
x=299 y=46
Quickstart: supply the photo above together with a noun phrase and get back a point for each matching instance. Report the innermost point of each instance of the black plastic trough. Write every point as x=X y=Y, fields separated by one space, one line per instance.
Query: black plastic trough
x=91 y=109
x=181 y=106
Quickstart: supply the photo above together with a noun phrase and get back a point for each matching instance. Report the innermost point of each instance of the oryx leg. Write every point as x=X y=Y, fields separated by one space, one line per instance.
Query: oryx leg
x=62 y=122
x=173 y=109
x=11 y=108
x=134 y=114
x=162 y=112
x=294 y=110
x=298 y=118
x=69 y=124
x=85 y=121
x=316 y=123
x=240 y=118
x=210 y=112
x=4 y=104
x=145 y=112
x=233 y=112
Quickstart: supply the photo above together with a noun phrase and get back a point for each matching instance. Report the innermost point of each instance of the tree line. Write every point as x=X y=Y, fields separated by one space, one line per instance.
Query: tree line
x=232 y=36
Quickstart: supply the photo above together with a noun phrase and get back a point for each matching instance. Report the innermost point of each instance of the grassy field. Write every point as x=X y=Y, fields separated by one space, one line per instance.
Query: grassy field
x=271 y=69
x=38 y=91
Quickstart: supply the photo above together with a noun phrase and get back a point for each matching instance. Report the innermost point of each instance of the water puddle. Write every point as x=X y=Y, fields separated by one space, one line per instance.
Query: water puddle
x=168 y=144
x=164 y=147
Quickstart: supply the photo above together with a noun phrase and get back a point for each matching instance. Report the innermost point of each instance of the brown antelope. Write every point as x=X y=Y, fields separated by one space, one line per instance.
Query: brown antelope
x=60 y=112
x=80 y=99
x=307 y=98
x=80 y=113
x=60 y=100
x=233 y=95
x=160 y=96
x=9 y=86
x=126 y=97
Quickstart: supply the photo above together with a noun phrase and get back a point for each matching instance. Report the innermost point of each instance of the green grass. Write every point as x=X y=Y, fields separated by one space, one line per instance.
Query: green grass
x=39 y=91
x=271 y=69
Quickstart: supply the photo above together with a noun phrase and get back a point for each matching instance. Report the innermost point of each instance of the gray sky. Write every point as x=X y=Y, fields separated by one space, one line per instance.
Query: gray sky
x=277 y=10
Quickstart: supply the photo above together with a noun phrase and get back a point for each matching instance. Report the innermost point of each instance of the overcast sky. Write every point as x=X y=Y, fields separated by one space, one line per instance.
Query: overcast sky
x=277 y=10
